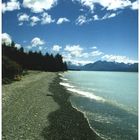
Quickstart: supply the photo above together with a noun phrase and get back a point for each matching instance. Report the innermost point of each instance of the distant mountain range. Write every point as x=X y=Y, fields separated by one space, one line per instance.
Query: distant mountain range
x=105 y=66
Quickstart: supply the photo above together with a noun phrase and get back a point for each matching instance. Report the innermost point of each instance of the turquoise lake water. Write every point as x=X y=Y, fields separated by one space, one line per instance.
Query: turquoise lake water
x=109 y=101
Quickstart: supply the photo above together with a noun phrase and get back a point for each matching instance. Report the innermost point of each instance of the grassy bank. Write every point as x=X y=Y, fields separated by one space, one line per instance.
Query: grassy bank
x=66 y=123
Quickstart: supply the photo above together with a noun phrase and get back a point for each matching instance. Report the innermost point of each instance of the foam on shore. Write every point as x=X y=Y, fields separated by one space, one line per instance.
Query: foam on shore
x=86 y=94
x=67 y=85
x=98 y=134
x=73 y=89
x=64 y=79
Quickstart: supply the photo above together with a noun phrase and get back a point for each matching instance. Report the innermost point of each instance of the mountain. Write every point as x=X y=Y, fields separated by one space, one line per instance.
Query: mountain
x=107 y=66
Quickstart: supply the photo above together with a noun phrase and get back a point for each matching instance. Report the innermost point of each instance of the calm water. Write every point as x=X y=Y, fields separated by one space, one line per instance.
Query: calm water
x=109 y=100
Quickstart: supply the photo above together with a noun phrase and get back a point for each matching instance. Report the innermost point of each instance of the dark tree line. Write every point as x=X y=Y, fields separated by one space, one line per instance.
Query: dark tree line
x=16 y=58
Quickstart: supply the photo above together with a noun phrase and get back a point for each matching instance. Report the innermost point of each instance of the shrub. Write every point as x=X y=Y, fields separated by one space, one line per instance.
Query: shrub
x=10 y=69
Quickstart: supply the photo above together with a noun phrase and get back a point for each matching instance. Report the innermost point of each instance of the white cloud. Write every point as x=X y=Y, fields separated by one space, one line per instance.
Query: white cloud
x=94 y=47
x=28 y=48
x=40 y=48
x=111 y=8
x=34 y=20
x=10 y=6
x=81 y=10
x=69 y=58
x=33 y=23
x=135 y=5
x=107 y=4
x=36 y=45
x=74 y=53
x=46 y=18
x=23 y=17
x=56 y=48
x=37 y=42
x=95 y=17
x=87 y=3
x=62 y=20
x=6 y=38
x=74 y=50
x=84 y=55
x=38 y=6
x=96 y=53
x=118 y=58
x=108 y=15
x=18 y=46
x=114 y=5
x=79 y=62
x=20 y=24
x=82 y=19
x=112 y=15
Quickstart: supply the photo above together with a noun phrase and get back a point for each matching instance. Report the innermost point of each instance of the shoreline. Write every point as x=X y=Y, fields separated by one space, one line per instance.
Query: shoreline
x=38 y=107
x=67 y=122
x=102 y=138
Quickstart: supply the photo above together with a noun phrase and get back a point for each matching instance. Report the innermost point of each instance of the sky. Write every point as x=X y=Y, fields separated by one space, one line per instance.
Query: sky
x=83 y=31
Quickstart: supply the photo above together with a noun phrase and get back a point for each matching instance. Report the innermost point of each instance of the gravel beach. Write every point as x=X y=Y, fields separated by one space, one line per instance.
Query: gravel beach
x=38 y=108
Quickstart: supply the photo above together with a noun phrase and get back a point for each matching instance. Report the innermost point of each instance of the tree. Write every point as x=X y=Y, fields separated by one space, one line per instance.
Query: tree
x=34 y=60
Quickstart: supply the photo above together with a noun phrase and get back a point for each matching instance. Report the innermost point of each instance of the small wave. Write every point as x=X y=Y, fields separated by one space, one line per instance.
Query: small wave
x=64 y=79
x=66 y=85
x=90 y=95
x=60 y=74
x=85 y=116
x=86 y=94
x=80 y=92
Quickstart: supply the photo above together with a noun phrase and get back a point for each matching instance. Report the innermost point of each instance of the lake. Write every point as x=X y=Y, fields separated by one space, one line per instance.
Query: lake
x=109 y=101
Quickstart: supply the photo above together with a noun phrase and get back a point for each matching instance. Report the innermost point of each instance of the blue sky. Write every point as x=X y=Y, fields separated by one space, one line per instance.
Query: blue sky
x=83 y=31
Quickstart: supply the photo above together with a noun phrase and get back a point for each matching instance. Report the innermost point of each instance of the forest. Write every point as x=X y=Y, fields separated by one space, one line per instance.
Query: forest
x=16 y=61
